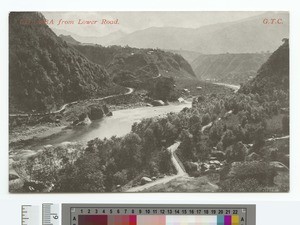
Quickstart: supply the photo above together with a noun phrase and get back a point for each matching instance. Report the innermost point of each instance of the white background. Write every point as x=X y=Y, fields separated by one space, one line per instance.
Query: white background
x=271 y=208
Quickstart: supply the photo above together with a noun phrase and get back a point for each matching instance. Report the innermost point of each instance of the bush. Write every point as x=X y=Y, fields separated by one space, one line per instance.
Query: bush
x=262 y=172
x=120 y=177
x=165 y=164
x=206 y=119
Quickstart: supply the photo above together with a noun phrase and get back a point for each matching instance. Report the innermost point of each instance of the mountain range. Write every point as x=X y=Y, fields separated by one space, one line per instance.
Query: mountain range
x=102 y=40
x=250 y=35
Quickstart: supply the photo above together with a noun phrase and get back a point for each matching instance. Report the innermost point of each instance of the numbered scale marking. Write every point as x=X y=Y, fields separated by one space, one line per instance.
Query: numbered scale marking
x=47 y=214
x=50 y=214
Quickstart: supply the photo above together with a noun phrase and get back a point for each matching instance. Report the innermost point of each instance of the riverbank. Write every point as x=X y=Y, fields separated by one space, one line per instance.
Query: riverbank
x=27 y=136
x=118 y=124
x=24 y=134
x=27 y=141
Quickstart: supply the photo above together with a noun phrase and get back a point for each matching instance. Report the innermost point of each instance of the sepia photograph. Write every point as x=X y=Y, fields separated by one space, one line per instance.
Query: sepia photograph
x=112 y=102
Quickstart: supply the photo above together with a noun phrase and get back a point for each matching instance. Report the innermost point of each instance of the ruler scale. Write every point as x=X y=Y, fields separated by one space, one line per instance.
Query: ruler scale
x=50 y=214
x=30 y=215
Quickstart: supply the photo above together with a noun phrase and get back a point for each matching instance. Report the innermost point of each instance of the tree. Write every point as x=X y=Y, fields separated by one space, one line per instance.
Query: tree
x=120 y=177
x=163 y=88
x=186 y=145
x=165 y=163
x=195 y=127
x=228 y=138
x=215 y=133
x=149 y=145
x=206 y=119
x=85 y=175
x=202 y=151
x=131 y=151
x=237 y=152
x=217 y=108
x=238 y=133
x=259 y=138
x=170 y=133
x=260 y=171
x=285 y=124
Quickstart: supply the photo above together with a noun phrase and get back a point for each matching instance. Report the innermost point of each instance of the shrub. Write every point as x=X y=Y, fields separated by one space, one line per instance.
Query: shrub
x=260 y=171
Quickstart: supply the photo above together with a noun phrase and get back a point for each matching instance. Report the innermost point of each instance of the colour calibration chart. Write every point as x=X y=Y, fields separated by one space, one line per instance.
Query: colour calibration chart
x=91 y=214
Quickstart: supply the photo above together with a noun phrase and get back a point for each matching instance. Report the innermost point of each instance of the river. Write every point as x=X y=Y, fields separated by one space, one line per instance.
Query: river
x=119 y=124
x=232 y=86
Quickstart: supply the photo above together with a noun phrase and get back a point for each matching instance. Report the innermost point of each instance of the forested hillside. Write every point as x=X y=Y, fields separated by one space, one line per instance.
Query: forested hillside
x=229 y=68
x=44 y=71
x=273 y=75
x=136 y=66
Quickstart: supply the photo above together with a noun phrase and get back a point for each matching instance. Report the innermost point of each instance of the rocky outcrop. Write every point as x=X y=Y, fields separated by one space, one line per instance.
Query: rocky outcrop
x=105 y=109
x=219 y=155
x=83 y=119
x=145 y=180
x=92 y=112
x=95 y=113
x=157 y=103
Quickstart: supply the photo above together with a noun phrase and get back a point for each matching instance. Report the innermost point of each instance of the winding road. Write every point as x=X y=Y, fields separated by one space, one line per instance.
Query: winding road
x=178 y=166
x=130 y=91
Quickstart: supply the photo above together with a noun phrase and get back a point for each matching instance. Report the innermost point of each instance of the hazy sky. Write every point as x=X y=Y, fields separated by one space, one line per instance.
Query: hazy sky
x=132 y=21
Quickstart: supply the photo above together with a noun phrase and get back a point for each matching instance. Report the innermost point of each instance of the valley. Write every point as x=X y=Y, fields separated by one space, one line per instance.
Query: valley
x=88 y=118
